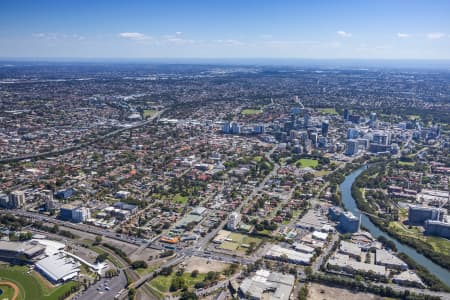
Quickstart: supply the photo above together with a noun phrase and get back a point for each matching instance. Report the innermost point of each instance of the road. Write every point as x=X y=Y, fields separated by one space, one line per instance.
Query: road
x=258 y=189
x=80 y=227
x=99 y=290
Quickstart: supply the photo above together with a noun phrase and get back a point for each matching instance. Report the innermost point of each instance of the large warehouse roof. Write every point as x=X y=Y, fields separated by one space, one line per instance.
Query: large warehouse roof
x=59 y=267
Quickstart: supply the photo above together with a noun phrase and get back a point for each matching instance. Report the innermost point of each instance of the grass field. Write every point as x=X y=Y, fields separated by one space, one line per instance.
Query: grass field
x=7 y=292
x=257 y=158
x=406 y=163
x=413 y=117
x=306 y=162
x=149 y=113
x=180 y=199
x=440 y=245
x=149 y=269
x=250 y=111
x=162 y=283
x=237 y=240
x=110 y=257
x=30 y=286
x=328 y=110
x=321 y=173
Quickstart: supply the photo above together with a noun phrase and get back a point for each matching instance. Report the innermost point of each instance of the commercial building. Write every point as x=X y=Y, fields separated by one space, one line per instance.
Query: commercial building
x=4 y=200
x=351 y=147
x=65 y=213
x=81 y=214
x=283 y=254
x=16 y=199
x=303 y=248
x=387 y=259
x=58 y=268
x=122 y=194
x=344 y=262
x=408 y=278
x=325 y=126
x=73 y=213
x=417 y=215
x=64 y=194
x=125 y=206
x=348 y=222
x=350 y=249
x=233 y=221
x=381 y=138
x=334 y=213
x=352 y=133
x=437 y=228
x=267 y=285
x=20 y=250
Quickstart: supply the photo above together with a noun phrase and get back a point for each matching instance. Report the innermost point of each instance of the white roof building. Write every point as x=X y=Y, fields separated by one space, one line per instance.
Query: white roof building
x=292 y=256
x=58 y=267
x=349 y=249
x=344 y=261
x=268 y=285
x=385 y=258
x=321 y=236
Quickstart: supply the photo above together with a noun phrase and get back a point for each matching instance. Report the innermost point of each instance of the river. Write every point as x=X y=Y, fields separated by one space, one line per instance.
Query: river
x=350 y=204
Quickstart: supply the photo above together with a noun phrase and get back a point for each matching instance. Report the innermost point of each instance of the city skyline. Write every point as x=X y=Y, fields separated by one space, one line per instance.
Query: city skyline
x=199 y=29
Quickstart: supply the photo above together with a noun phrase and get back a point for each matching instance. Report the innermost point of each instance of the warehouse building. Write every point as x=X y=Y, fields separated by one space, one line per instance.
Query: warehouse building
x=58 y=268
x=283 y=254
x=344 y=262
x=20 y=250
x=389 y=260
x=267 y=285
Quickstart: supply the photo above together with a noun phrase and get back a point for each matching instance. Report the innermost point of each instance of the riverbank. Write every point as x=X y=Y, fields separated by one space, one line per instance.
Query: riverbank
x=350 y=204
x=420 y=246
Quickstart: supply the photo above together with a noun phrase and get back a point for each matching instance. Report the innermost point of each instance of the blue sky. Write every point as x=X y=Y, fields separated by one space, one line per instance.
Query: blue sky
x=379 y=29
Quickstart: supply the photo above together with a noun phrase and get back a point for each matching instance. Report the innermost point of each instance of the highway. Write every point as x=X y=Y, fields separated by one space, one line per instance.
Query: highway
x=82 y=227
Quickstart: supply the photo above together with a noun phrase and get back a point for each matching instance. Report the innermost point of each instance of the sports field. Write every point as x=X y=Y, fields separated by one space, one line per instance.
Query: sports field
x=250 y=111
x=239 y=242
x=8 y=290
x=306 y=162
x=30 y=287
x=328 y=110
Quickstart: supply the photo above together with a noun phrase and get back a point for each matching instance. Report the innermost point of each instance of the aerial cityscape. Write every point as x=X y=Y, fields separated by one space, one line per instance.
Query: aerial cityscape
x=144 y=164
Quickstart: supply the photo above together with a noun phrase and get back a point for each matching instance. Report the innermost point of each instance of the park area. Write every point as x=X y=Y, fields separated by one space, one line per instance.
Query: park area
x=328 y=110
x=149 y=113
x=307 y=163
x=162 y=283
x=251 y=111
x=239 y=242
x=29 y=284
x=439 y=245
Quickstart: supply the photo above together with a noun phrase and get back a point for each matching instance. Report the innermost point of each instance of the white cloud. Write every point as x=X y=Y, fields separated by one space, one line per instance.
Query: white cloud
x=288 y=44
x=435 y=35
x=343 y=33
x=403 y=35
x=57 y=36
x=135 y=36
x=177 y=39
x=229 y=42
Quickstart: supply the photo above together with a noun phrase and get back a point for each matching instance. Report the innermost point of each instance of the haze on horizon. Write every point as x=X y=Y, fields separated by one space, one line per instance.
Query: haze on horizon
x=415 y=29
